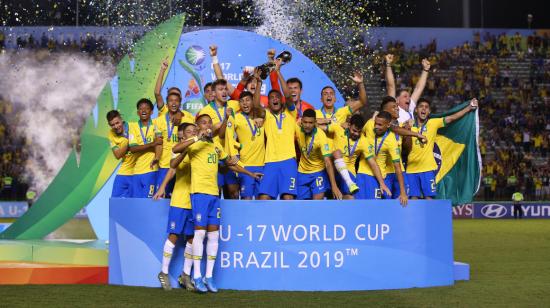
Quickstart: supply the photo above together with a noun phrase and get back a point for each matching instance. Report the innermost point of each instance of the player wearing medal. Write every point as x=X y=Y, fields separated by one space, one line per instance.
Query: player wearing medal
x=146 y=144
x=180 y=216
x=421 y=165
x=204 y=155
x=118 y=138
x=315 y=168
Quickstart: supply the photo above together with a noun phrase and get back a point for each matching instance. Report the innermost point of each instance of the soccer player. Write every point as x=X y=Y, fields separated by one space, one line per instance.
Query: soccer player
x=421 y=165
x=328 y=114
x=280 y=155
x=180 y=216
x=382 y=146
x=251 y=143
x=315 y=168
x=204 y=155
x=118 y=137
x=221 y=111
x=146 y=144
x=158 y=86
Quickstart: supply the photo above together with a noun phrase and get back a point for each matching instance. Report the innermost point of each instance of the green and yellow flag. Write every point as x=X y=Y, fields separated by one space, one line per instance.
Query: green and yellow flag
x=458 y=158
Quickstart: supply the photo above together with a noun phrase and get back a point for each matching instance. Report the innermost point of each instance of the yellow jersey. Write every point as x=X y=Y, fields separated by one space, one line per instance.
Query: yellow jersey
x=368 y=130
x=182 y=186
x=169 y=134
x=351 y=150
x=141 y=135
x=204 y=157
x=279 y=131
x=187 y=117
x=421 y=158
x=217 y=114
x=339 y=115
x=251 y=140
x=118 y=141
x=314 y=149
x=383 y=148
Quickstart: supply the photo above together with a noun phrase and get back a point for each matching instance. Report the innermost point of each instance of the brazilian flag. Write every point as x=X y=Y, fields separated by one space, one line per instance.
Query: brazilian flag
x=456 y=152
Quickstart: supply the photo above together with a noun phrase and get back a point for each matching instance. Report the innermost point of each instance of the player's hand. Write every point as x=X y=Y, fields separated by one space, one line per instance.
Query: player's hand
x=153 y=163
x=228 y=112
x=357 y=77
x=389 y=59
x=322 y=121
x=259 y=122
x=258 y=176
x=474 y=104
x=425 y=64
x=403 y=199
x=337 y=193
x=159 y=194
x=246 y=74
x=213 y=50
x=158 y=141
x=423 y=139
x=271 y=55
x=385 y=189
x=176 y=119
x=164 y=64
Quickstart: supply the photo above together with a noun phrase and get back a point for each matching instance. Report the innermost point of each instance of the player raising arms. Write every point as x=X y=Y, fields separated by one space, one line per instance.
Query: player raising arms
x=146 y=144
x=180 y=216
x=118 y=137
x=421 y=165
x=204 y=155
x=329 y=114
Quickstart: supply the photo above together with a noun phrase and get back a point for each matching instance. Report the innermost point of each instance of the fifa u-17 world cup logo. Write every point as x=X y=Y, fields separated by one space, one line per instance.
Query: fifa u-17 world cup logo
x=193 y=100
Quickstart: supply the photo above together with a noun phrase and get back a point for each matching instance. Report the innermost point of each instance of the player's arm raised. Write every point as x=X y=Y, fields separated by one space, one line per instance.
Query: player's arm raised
x=158 y=86
x=455 y=116
x=420 y=84
x=390 y=79
x=356 y=105
x=217 y=68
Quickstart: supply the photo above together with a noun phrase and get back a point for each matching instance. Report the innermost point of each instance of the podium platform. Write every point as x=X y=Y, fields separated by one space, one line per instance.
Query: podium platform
x=297 y=245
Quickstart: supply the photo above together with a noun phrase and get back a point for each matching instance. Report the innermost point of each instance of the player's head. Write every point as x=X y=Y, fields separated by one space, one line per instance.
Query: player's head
x=219 y=87
x=308 y=121
x=173 y=100
x=328 y=96
x=295 y=88
x=144 y=109
x=423 y=109
x=403 y=98
x=382 y=122
x=274 y=100
x=245 y=102
x=204 y=122
x=115 y=121
x=208 y=93
x=186 y=131
x=390 y=105
x=174 y=90
x=356 y=123
x=251 y=84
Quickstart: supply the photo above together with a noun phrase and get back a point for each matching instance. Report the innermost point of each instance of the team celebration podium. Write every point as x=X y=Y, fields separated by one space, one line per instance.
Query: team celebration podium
x=297 y=245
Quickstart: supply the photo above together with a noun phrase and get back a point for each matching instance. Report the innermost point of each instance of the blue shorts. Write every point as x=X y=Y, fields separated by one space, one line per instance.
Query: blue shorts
x=422 y=184
x=206 y=209
x=250 y=186
x=368 y=187
x=393 y=184
x=122 y=187
x=310 y=184
x=279 y=178
x=180 y=221
x=342 y=184
x=160 y=177
x=144 y=184
x=228 y=178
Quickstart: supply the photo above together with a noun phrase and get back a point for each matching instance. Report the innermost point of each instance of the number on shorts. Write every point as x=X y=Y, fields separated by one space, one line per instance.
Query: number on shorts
x=377 y=193
x=292 y=183
x=432 y=184
x=151 y=190
x=219 y=214
x=319 y=181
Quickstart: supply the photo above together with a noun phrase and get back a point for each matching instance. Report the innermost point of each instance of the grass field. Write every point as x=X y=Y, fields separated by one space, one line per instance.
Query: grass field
x=510 y=266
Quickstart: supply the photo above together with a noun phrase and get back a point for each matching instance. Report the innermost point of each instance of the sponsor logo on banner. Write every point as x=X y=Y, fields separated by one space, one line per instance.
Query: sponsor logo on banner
x=463 y=211
x=493 y=211
x=505 y=210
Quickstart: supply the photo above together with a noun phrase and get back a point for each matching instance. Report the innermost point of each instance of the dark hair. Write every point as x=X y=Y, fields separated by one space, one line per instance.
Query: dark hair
x=386 y=100
x=207 y=85
x=145 y=101
x=176 y=94
x=326 y=87
x=174 y=88
x=357 y=121
x=423 y=100
x=112 y=114
x=309 y=113
x=384 y=115
x=183 y=126
x=200 y=115
x=274 y=91
x=245 y=94
x=294 y=80
x=218 y=82
x=400 y=91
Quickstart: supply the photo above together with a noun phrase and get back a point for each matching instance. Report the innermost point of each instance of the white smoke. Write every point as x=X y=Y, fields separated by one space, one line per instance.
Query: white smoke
x=55 y=93
x=280 y=19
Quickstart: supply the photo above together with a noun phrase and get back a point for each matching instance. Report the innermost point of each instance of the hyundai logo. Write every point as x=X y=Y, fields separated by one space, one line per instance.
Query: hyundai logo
x=493 y=211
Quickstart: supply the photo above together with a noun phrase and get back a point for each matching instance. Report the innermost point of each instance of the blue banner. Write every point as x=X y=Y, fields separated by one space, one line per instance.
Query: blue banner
x=296 y=245
x=506 y=210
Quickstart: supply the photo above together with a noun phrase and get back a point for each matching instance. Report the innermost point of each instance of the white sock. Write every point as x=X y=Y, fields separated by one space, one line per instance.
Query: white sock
x=343 y=170
x=211 y=252
x=167 y=255
x=198 y=247
x=188 y=258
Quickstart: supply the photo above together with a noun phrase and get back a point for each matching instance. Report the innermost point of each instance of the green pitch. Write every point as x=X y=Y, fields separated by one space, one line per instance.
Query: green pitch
x=510 y=266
